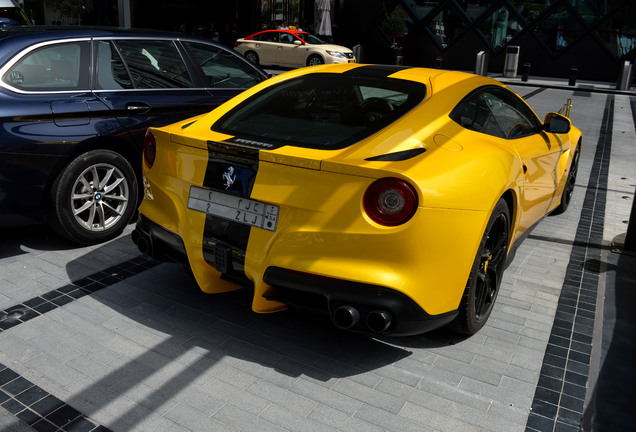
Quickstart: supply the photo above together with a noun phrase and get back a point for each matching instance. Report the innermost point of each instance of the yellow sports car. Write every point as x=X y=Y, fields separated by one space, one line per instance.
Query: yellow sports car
x=386 y=196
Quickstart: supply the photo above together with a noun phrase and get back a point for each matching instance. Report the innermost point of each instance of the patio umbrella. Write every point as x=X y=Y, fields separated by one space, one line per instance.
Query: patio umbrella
x=324 y=26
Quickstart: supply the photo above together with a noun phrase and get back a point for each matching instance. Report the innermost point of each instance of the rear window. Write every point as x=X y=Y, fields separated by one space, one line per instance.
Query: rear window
x=321 y=111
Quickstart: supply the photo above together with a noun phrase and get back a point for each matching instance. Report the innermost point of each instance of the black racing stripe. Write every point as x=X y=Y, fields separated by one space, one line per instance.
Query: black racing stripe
x=28 y=402
x=561 y=390
x=231 y=169
x=375 y=71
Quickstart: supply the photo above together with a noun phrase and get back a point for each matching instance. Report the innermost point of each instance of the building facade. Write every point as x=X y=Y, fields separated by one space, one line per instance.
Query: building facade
x=594 y=36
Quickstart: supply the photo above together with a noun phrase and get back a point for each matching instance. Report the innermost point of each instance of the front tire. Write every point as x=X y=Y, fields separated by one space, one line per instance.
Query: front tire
x=568 y=190
x=94 y=198
x=315 y=60
x=486 y=273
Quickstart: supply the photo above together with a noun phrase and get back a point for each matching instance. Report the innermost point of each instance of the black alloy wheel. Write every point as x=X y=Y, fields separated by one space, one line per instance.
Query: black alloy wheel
x=486 y=273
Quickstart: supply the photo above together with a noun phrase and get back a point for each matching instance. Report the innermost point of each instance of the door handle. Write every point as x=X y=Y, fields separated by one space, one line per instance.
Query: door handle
x=138 y=108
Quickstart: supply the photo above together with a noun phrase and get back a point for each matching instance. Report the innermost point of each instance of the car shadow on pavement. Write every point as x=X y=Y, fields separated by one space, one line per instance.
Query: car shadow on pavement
x=216 y=346
x=39 y=237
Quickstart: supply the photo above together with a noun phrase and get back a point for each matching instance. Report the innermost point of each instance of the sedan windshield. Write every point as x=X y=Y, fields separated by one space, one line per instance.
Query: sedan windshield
x=321 y=110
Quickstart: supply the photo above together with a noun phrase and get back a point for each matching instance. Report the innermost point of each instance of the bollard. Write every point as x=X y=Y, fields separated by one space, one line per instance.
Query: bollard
x=511 y=61
x=624 y=80
x=357 y=53
x=630 y=237
x=572 y=80
x=525 y=71
x=481 y=63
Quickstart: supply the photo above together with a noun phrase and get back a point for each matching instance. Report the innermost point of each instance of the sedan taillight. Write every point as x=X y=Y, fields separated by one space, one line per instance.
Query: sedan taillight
x=150 y=149
x=390 y=201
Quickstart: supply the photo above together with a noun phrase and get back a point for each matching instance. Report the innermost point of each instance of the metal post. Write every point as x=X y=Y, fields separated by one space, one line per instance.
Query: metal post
x=572 y=80
x=624 y=81
x=511 y=62
x=124 y=13
x=630 y=237
x=357 y=53
x=525 y=71
x=481 y=63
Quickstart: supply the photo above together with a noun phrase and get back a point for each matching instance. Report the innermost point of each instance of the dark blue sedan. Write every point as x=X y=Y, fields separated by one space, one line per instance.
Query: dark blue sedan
x=74 y=107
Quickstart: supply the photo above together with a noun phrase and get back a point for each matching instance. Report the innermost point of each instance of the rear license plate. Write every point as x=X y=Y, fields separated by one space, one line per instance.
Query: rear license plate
x=235 y=208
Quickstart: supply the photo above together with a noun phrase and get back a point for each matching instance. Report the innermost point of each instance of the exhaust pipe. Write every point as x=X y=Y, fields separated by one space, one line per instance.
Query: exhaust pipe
x=379 y=321
x=143 y=241
x=346 y=317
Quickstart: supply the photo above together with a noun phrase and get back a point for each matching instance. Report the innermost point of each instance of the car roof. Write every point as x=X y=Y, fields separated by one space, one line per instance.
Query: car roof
x=16 y=38
x=279 y=30
x=50 y=32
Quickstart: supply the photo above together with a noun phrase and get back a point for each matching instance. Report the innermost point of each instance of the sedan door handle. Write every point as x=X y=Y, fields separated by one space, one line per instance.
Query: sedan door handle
x=138 y=108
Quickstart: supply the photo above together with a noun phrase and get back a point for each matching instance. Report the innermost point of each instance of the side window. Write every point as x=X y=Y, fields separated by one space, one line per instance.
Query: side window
x=269 y=37
x=286 y=38
x=111 y=72
x=56 y=67
x=222 y=69
x=154 y=63
x=514 y=118
x=474 y=113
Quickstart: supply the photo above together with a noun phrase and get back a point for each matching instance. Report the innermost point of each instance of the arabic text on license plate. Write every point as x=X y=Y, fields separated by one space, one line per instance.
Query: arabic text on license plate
x=235 y=208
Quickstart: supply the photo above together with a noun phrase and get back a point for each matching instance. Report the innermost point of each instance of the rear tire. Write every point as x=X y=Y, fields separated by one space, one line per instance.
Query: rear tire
x=252 y=57
x=486 y=273
x=94 y=198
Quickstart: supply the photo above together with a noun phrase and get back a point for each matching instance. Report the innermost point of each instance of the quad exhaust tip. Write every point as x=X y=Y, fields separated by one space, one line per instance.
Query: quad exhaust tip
x=379 y=321
x=347 y=317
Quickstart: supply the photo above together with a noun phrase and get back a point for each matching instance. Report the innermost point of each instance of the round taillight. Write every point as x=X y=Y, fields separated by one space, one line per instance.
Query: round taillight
x=150 y=149
x=390 y=201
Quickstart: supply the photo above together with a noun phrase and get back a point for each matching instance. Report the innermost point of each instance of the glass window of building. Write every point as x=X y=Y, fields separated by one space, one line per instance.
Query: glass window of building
x=618 y=32
x=447 y=25
x=500 y=27
x=559 y=29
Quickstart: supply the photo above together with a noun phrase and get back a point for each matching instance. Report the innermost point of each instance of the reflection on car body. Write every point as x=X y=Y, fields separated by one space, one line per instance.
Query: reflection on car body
x=394 y=193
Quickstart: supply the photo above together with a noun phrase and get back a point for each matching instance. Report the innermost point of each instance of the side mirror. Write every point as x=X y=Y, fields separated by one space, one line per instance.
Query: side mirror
x=297 y=42
x=556 y=123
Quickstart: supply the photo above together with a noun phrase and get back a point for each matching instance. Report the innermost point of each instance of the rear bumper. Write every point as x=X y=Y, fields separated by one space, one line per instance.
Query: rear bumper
x=368 y=301
x=157 y=242
x=364 y=304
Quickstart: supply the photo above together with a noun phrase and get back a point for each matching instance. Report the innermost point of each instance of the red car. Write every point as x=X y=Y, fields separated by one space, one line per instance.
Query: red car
x=291 y=48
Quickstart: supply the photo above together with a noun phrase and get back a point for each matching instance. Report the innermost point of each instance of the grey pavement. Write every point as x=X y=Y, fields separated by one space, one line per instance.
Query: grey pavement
x=102 y=338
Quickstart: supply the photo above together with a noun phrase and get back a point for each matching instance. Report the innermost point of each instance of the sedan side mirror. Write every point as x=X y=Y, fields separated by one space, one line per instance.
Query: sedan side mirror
x=556 y=123
x=297 y=42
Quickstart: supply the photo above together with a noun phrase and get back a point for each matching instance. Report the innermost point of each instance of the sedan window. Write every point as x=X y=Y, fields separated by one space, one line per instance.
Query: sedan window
x=268 y=37
x=111 y=72
x=222 y=69
x=154 y=64
x=323 y=111
x=50 y=68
